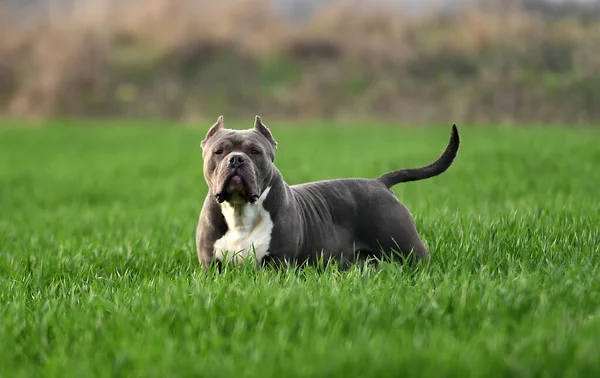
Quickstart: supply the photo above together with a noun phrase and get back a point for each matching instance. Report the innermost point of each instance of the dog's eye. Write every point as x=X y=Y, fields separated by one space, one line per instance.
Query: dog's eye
x=219 y=151
x=255 y=151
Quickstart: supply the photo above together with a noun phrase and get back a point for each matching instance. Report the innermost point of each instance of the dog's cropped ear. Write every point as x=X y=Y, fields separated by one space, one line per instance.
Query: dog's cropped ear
x=213 y=130
x=261 y=128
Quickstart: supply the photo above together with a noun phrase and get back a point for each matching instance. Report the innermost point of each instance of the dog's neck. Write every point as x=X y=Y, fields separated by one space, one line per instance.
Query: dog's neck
x=281 y=195
x=243 y=216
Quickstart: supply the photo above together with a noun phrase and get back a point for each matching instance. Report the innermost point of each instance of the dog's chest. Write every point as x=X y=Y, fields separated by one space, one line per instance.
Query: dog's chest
x=249 y=233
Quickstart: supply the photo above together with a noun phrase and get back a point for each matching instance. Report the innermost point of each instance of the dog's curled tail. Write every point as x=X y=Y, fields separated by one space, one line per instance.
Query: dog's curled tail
x=439 y=166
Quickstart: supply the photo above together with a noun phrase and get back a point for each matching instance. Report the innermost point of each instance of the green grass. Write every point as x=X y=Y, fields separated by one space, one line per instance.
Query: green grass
x=99 y=275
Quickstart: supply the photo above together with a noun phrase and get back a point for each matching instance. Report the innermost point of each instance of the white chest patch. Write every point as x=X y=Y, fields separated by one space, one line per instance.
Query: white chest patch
x=249 y=233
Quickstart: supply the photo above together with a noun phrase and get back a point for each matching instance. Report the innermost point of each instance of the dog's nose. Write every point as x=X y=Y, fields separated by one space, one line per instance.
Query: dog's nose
x=236 y=161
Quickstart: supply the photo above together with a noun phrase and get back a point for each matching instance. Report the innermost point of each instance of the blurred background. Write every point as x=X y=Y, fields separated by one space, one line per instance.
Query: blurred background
x=407 y=61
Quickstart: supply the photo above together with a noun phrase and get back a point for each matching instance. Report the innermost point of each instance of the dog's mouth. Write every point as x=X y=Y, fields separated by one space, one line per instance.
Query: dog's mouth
x=235 y=186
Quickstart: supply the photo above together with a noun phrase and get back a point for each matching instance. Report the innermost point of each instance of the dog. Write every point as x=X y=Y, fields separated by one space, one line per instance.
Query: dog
x=251 y=214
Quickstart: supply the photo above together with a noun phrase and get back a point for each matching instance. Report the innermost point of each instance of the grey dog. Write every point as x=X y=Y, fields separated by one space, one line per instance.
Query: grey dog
x=251 y=214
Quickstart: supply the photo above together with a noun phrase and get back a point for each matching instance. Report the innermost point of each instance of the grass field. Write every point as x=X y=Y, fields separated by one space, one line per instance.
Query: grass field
x=99 y=275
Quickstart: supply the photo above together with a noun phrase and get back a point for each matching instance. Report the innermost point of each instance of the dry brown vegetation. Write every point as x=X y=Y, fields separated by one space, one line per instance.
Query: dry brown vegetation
x=184 y=60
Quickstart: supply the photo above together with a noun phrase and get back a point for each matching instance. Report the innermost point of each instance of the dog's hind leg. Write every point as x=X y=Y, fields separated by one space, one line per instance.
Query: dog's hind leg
x=394 y=233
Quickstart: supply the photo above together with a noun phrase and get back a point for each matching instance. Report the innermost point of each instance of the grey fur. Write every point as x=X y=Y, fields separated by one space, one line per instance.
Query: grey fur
x=341 y=219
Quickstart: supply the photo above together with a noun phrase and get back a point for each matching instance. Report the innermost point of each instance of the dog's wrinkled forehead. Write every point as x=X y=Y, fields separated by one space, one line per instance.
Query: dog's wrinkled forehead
x=238 y=139
x=258 y=136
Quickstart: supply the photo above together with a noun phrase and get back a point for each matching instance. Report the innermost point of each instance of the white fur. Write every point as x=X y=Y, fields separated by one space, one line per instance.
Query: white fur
x=249 y=232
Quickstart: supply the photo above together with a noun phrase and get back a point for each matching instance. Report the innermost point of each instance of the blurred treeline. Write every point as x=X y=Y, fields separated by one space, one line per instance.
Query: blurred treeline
x=179 y=59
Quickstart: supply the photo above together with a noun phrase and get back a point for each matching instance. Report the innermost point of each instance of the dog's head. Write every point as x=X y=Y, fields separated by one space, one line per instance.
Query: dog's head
x=238 y=164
